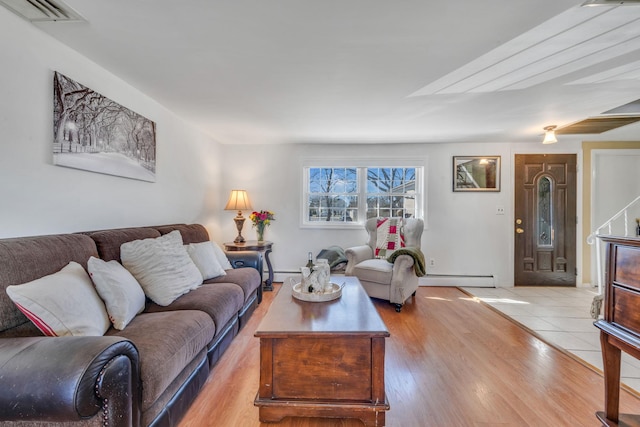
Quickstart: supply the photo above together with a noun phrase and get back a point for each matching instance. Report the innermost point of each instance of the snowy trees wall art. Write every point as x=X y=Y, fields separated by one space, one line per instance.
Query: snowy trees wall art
x=92 y=132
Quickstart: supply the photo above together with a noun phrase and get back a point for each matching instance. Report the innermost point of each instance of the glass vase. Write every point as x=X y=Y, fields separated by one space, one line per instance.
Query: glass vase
x=260 y=231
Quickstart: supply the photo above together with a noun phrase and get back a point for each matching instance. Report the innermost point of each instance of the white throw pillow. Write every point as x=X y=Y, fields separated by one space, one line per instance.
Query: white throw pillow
x=162 y=266
x=222 y=258
x=119 y=290
x=62 y=303
x=204 y=257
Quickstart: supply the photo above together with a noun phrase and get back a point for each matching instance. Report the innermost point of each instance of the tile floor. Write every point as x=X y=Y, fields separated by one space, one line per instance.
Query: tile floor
x=560 y=316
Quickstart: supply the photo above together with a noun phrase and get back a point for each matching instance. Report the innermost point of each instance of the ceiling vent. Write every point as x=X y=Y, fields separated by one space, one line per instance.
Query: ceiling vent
x=42 y=10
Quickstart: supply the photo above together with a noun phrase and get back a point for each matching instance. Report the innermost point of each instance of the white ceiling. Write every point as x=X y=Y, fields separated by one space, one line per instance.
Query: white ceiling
x=265 y=71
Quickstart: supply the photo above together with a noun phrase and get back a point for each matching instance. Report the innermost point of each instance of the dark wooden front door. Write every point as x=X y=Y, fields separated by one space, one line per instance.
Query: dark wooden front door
x=545 y=219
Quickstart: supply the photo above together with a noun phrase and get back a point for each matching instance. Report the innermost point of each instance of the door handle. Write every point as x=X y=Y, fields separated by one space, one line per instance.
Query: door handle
x=519 y=230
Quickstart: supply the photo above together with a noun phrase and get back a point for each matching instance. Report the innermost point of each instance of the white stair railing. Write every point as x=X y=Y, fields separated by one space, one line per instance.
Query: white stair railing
x=607 y=229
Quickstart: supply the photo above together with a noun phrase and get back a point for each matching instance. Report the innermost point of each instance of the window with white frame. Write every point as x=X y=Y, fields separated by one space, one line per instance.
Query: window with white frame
x=346 y=196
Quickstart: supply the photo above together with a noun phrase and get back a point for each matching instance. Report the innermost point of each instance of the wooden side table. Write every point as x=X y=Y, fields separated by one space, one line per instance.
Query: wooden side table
x=265 y=247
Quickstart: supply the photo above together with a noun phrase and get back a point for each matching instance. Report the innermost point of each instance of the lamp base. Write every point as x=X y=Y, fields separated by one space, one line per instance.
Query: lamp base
x=239 y=220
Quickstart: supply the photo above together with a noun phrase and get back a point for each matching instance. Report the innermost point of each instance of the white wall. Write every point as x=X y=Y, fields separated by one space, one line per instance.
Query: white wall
x=615 y=182
x=463 y=234
x=37 y=197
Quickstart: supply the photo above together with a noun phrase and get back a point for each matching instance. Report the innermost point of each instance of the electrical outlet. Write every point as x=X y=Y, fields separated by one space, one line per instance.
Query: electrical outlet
x=432 y=262
x=499 y=210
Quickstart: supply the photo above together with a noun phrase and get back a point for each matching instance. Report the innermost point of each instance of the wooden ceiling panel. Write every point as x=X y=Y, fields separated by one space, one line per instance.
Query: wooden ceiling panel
x=597 y=124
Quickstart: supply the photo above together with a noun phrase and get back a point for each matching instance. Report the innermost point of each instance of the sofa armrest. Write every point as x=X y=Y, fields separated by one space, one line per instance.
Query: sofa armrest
x=404 y=281
x=69 y=378
x=356 y=255
x=245 y=259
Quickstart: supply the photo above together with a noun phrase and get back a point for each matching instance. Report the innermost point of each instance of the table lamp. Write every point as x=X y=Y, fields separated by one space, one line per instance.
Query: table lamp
x=238 y=201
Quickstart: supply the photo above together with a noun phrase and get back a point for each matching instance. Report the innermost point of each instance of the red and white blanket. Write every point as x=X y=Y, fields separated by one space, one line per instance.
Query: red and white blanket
x=389 y=237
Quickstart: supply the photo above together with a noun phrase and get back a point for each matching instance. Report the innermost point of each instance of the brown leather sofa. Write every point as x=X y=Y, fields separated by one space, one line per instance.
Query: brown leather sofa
x=146 y=374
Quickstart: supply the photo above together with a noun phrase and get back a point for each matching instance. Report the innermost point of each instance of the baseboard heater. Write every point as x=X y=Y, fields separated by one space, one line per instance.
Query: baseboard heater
x=282 y=275
x=457 y=280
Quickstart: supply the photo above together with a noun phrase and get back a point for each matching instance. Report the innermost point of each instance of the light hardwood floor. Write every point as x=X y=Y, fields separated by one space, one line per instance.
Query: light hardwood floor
x=450 y=361
x=560 y=316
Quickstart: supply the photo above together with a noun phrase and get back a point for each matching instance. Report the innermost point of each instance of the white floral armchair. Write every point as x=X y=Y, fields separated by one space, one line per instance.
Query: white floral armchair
x=394 y=282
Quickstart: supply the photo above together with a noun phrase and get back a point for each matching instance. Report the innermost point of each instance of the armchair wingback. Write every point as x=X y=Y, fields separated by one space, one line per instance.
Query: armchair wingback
x=394 y=282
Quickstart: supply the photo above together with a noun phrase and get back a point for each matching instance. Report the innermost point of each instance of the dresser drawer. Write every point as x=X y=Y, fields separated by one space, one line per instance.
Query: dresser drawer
x=626 y=309
x=627 y=267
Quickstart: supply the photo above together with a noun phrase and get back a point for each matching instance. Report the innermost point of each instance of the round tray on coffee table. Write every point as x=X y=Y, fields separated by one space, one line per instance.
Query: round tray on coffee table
x=335 y=293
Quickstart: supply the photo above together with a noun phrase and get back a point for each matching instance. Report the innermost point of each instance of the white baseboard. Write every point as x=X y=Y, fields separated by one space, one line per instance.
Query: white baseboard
x=428 y=280
x=457 y=280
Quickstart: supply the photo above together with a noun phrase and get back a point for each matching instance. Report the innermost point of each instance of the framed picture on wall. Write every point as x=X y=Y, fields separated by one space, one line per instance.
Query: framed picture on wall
x=476 y=173
x=91 y=132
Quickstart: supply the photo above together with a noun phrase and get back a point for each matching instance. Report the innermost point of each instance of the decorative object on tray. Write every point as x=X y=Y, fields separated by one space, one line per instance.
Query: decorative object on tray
x=316 y=278
x=316 y=285
x=260 y=220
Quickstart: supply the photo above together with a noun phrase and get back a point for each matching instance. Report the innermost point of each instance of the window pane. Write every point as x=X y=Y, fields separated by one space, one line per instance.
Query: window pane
x=544 y=213
x=384 y=212
x=397 y=202
x=391 y=188
x=332 y=194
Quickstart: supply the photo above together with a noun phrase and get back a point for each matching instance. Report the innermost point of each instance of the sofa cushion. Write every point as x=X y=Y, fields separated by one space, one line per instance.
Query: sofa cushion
x=191 y=233
x=28 y=258
x=63 y=303
x=204 y=257
x=167 y=343
x=221 y=301
x=120 y=291
x=108 y=242
x=162 y=266
x=247 y=278
x=374 y=270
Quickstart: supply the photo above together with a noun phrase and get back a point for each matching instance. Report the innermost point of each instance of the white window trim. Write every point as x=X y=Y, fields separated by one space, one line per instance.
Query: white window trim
x=421 y=184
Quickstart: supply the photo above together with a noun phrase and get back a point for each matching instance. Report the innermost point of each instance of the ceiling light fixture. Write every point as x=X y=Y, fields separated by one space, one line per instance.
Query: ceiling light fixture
x=550 y=135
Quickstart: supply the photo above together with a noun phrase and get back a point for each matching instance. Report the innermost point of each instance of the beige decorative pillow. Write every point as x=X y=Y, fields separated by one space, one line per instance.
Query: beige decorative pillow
x=222 y=258
x=162 y=266
x=204 y=257
x=120 y=291
x=62 y=303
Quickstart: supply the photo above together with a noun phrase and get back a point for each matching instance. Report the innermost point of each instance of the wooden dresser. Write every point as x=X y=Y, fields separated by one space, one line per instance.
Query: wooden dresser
x=620 y=328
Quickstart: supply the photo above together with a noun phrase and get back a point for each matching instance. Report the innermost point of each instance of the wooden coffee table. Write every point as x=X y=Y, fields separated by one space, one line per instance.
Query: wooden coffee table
x=323 y=359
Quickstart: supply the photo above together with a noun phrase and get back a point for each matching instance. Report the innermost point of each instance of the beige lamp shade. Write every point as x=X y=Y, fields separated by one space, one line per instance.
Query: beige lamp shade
x=238 y=201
